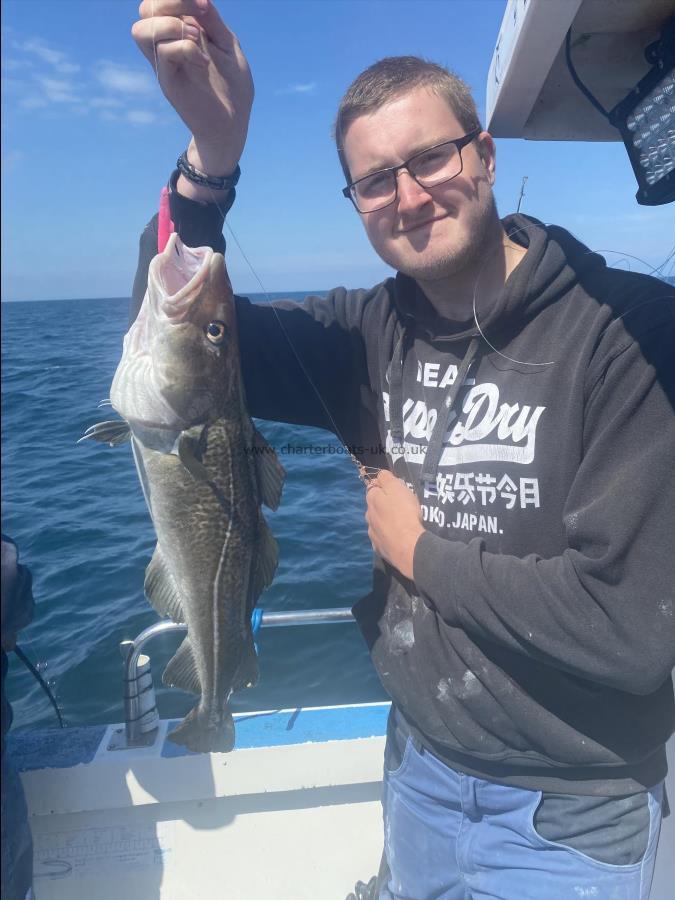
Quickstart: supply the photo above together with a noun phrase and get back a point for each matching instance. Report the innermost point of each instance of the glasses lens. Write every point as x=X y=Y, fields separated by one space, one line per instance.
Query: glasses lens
x=436 y=165
x=374 y=191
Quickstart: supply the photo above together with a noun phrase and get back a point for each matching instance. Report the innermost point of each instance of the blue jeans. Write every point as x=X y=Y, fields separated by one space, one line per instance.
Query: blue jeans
x=450 y=836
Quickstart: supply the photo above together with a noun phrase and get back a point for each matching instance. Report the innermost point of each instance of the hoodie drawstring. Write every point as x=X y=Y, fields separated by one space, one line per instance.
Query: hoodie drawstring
x=432 y=457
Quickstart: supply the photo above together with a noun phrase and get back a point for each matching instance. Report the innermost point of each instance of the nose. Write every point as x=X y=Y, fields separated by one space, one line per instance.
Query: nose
x=411 y=195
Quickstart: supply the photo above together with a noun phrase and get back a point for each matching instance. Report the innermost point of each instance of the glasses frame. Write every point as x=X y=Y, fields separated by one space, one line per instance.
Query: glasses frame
x=460 y=143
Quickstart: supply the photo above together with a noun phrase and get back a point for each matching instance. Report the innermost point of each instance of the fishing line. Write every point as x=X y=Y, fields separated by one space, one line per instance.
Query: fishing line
x=651 y=270
x=366 y=473
x=624 y=257
x=482 y=333
x=665 y=262
x=40 y=680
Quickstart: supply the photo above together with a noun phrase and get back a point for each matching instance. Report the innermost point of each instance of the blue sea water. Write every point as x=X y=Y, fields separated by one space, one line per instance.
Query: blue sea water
x=79 y=518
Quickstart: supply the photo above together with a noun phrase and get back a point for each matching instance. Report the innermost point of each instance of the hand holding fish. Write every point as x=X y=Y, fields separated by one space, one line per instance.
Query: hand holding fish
x=394 y=521
x=203 y=74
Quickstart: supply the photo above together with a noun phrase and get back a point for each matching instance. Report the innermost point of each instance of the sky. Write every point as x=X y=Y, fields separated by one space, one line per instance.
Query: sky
x=88 y=140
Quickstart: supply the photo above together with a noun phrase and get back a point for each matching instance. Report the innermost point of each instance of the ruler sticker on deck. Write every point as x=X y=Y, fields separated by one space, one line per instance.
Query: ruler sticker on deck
x=90 y=851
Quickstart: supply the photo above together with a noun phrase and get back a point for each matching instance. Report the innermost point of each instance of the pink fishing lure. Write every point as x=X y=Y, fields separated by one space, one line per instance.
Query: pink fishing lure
x=164 y=225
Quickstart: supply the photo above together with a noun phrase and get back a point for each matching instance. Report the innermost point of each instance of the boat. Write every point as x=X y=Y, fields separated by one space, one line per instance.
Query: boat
x=294 y=811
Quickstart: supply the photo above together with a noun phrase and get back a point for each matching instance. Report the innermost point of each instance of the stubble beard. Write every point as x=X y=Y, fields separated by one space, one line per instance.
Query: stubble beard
x=464 y=259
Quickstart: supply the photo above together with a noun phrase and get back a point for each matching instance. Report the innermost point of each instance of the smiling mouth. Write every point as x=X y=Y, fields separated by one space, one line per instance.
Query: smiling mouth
x=422 y=224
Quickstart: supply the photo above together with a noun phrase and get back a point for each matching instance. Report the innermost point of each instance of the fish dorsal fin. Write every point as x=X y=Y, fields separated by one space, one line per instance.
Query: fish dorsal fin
x=188 y=453
x=161 y=590
x=181 y=670
x=112 y=432
x=269 y=471
x=264 y=563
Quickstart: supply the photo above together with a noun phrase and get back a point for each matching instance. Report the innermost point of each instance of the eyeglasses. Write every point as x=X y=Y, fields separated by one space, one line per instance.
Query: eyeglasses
x=429 y=168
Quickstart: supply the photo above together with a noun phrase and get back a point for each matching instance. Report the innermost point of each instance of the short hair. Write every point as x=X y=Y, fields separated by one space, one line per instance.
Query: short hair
x=392 y=77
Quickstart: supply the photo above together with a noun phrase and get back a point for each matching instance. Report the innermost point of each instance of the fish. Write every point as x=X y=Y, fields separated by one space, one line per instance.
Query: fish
x=205 y=471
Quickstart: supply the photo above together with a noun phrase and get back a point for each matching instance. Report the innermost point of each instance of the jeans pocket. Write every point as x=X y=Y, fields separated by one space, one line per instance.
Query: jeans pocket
x=397 y=748
x=609 y=832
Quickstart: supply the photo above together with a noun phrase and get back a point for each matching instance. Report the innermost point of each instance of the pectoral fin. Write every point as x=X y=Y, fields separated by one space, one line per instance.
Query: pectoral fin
x=188 y=453
x=112 y=432
x=269 y=471
x=161 y=590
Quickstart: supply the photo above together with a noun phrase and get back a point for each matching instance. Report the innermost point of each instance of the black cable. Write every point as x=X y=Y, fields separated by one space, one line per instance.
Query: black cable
x=45 y=687
x=575 y=78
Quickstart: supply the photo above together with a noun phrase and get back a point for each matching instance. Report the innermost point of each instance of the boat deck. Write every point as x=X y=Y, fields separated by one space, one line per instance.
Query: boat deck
x=293 y=812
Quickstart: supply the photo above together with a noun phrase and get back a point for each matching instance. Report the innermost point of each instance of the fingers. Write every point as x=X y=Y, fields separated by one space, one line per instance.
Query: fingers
x=203 y=11
x=178 y=54
x=150 y=8
x=163 y=34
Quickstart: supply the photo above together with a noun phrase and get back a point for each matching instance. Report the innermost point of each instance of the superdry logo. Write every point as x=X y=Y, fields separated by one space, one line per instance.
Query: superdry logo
x=485 y=430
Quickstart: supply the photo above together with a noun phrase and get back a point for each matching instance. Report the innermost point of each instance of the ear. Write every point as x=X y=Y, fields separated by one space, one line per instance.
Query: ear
x=488 y=154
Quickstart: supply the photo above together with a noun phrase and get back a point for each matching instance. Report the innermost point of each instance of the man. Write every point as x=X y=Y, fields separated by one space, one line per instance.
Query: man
x=521 y=613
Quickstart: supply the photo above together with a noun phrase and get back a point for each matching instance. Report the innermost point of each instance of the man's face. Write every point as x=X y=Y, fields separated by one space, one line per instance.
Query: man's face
x=427 y=233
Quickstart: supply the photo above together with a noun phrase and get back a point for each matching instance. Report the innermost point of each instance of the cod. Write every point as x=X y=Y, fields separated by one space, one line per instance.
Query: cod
x=205 y=470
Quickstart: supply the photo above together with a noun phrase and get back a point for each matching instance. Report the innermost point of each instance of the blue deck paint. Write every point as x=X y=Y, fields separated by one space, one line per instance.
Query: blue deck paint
x=63 y=748
x=299 y=726
x=58 y=748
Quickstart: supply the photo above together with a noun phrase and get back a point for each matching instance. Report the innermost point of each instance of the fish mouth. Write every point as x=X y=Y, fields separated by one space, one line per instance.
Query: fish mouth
x=159 y=384
x=179 y=275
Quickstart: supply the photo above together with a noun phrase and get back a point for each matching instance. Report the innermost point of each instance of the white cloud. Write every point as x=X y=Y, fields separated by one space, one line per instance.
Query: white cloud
x=124 y=80
x=58 y=90
x=40 y=76
x=56 y=58
x=67 y=68
x=141 y=117
x=33 y=102
x=306 y=88
x=105 y=103
x=40 y=48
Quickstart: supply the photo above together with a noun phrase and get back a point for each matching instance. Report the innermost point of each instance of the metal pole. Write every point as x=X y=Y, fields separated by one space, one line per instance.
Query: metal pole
x=522 y=192
x=131 y=651
x=306 y=617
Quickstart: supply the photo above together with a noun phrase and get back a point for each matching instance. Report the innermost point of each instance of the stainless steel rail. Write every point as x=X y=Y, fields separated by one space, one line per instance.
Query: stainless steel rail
x=138 y=712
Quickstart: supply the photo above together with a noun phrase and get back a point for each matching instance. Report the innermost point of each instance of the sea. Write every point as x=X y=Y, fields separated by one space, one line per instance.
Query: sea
x=79 y=518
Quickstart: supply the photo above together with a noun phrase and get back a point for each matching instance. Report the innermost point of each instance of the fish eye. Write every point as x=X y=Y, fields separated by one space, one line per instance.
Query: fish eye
x=216 y=332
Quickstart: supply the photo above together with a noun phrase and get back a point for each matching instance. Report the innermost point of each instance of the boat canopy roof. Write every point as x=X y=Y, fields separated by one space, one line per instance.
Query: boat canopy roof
x=530 y=92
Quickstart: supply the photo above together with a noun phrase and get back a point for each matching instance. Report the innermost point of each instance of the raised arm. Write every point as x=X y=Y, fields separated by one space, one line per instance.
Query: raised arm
x=205 y=76
x=302 y=363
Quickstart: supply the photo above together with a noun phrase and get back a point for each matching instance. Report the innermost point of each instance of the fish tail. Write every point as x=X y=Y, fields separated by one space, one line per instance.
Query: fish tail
x=200 y=733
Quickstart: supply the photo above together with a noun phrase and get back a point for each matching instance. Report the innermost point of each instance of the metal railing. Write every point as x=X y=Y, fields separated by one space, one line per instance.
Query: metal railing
x=140 y=709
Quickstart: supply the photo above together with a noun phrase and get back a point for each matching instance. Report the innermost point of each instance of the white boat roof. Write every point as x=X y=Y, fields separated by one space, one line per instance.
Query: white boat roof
x=530 y=93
